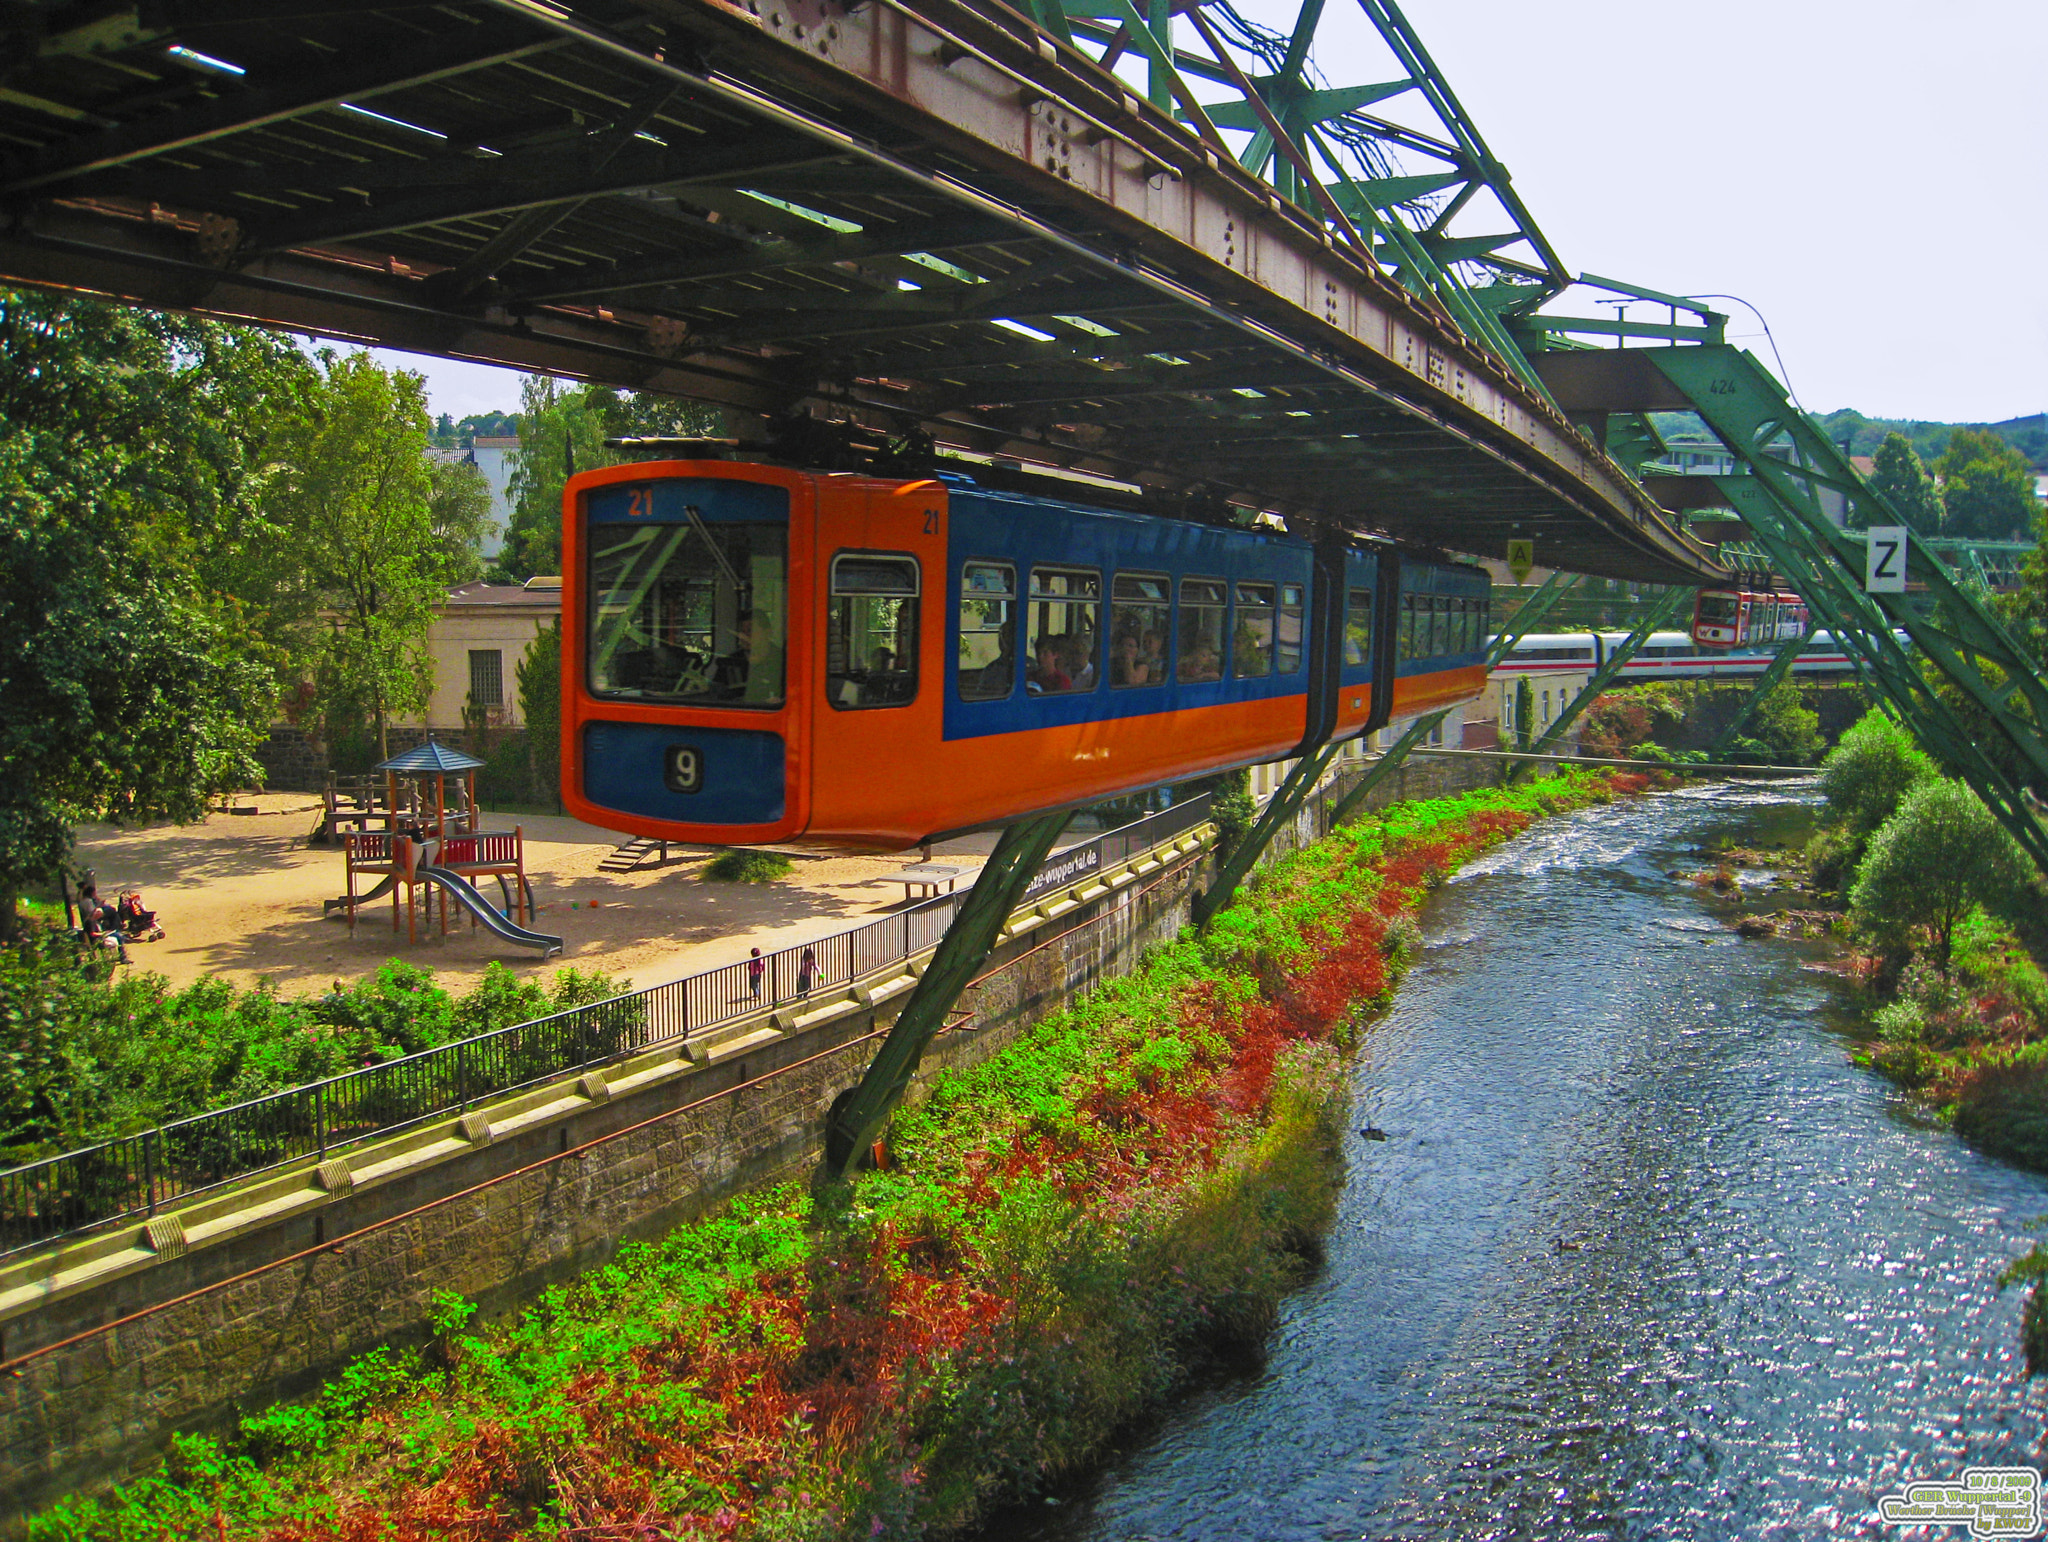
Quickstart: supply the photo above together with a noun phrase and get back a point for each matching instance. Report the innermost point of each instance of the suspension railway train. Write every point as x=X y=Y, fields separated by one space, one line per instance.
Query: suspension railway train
x=754 y=654
x=1745 y=618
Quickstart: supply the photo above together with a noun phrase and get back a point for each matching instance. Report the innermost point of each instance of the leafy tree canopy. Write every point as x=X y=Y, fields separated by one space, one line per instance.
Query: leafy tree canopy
x=1987 y=488
x=1940 y=856
x=564 y=427
x=353 y=500
x=1901 y=477
x=1873 y=766
x=459 y=510
x=132 y=684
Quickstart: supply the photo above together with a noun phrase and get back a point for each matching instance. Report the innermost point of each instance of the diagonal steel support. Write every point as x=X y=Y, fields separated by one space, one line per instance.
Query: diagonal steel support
x=1767 y=682
x=1779 y=499
x=1665 y=610
x=1285 y=803
x=1533 y=610
x=856 y=1124
x=1390 y=761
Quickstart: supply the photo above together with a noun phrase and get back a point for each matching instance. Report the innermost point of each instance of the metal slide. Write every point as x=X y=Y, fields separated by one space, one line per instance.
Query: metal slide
x=466 y=895
x=340 y=902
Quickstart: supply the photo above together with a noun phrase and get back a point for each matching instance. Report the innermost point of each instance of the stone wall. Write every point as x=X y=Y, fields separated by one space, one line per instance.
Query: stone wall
x=193 y=1322
x=295 y=759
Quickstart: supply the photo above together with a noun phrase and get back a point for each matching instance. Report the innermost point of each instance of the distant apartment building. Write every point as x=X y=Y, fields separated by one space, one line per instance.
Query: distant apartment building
x=492 y=457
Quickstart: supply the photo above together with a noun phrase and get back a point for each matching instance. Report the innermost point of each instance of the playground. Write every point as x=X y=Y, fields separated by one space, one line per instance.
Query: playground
x=241 y=896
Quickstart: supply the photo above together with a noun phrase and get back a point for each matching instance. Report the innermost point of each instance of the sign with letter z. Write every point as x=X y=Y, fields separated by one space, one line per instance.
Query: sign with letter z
x=1884 y=560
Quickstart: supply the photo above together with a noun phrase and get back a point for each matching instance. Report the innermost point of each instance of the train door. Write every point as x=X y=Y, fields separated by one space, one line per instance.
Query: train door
x=878 y=657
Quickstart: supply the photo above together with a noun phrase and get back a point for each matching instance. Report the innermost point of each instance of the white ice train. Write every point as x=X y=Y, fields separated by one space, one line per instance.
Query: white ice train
x=1666 y=656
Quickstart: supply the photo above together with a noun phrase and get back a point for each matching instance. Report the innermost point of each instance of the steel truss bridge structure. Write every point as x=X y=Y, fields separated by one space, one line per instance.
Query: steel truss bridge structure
x=1141 y=240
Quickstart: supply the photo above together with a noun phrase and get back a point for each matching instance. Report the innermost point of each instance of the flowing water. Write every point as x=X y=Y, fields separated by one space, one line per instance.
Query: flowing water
x=1644 y=1255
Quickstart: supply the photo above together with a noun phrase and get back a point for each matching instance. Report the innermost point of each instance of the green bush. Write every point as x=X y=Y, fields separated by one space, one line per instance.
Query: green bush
x=89 y=1058
x=1785 y=729
x=741 y=866
x=1940 y=856
x=1832 y=855
x=507 y=775
x=1866 y=776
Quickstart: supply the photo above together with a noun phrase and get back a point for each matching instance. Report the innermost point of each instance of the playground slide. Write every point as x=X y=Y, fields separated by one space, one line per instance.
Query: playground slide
x=328 y=907
x=466 y=896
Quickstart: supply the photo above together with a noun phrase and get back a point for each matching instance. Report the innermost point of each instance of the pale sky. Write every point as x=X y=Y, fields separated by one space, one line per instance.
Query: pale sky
x=1869 y=175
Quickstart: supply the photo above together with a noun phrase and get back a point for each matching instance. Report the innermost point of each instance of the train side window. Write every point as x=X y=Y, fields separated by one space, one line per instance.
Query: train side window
x=1287 y=643
x=1440 y=629
x=1064 y=605
x=988 y=635
x=1405 y=643
x=1358 y=627
x=1201 y=630
x=1251 y=640
x=1140 y=617
x=871 y=630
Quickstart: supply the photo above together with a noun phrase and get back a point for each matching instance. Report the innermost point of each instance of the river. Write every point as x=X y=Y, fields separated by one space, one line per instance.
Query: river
x=1644 y=1255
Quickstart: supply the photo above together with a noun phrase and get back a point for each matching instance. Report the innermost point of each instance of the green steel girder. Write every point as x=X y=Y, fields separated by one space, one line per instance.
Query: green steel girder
x=1533 y=610
x=1788 y=460
x=1317 y=146
x=1395 y=754
x=858 y=1123
x=1285 y=803
x=1665 y=609
x=1767 y=682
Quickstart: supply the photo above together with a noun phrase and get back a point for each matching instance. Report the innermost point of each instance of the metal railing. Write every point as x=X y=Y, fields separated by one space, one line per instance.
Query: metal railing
x=136 y=1175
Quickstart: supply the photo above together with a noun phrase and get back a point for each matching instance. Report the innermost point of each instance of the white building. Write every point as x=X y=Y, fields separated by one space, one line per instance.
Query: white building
x=480 y=633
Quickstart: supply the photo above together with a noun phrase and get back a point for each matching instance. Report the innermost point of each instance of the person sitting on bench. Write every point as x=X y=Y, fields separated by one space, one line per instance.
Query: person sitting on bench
x=97 y=923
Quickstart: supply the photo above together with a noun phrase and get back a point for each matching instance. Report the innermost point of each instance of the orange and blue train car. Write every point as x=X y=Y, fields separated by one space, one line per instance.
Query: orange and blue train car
x=757 y=654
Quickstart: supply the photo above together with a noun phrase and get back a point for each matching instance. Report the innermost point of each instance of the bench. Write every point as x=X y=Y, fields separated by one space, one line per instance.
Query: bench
x=927 y=876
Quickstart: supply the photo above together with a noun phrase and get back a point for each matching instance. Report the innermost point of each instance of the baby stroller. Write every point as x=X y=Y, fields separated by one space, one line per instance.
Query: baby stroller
x=138 y=923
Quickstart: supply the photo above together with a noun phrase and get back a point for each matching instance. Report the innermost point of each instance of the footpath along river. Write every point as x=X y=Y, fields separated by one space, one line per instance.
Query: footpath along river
x=1644 y=1255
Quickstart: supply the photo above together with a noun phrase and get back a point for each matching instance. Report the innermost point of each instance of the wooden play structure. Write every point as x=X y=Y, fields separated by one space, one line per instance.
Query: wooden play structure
x=435 y=841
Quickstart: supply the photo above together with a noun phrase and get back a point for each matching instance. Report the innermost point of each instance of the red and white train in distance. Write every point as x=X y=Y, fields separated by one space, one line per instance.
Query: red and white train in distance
x=1742 y=618
x=1666 y=656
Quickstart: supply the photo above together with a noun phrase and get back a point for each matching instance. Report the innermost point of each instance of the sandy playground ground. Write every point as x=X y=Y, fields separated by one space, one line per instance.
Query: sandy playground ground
x=240 y=896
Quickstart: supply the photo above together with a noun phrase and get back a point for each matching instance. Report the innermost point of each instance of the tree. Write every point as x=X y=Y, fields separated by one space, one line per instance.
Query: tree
x=540 y=705
x=1787 y=728
x=1987 y=487
x=354 y=498
x=1899 y=475
x=131 y=687
x=557 y=426
x=459 y=510
x=1874 y=765
x=564 y=424
x=1939 y=857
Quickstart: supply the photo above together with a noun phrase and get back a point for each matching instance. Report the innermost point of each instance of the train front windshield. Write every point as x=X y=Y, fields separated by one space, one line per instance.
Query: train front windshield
x=689 y=612
x=1717 y=609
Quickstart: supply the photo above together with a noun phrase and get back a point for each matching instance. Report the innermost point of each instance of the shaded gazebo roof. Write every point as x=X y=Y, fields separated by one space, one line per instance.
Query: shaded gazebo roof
x=430 y=757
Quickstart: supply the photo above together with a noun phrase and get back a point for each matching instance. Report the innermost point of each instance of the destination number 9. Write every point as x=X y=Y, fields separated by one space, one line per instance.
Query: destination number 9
x=682 y=768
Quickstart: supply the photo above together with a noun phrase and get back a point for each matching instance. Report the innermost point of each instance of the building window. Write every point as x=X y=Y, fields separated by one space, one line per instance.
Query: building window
x=487 y=678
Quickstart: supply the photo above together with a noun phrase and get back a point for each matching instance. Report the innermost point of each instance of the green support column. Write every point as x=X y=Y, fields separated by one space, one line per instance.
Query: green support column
x=1533 y=610
x=1396 y=753
x=1664 y=610
x=1750 y=413
x=1285 y=803
x=857 y=1124
x=1781 y=666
